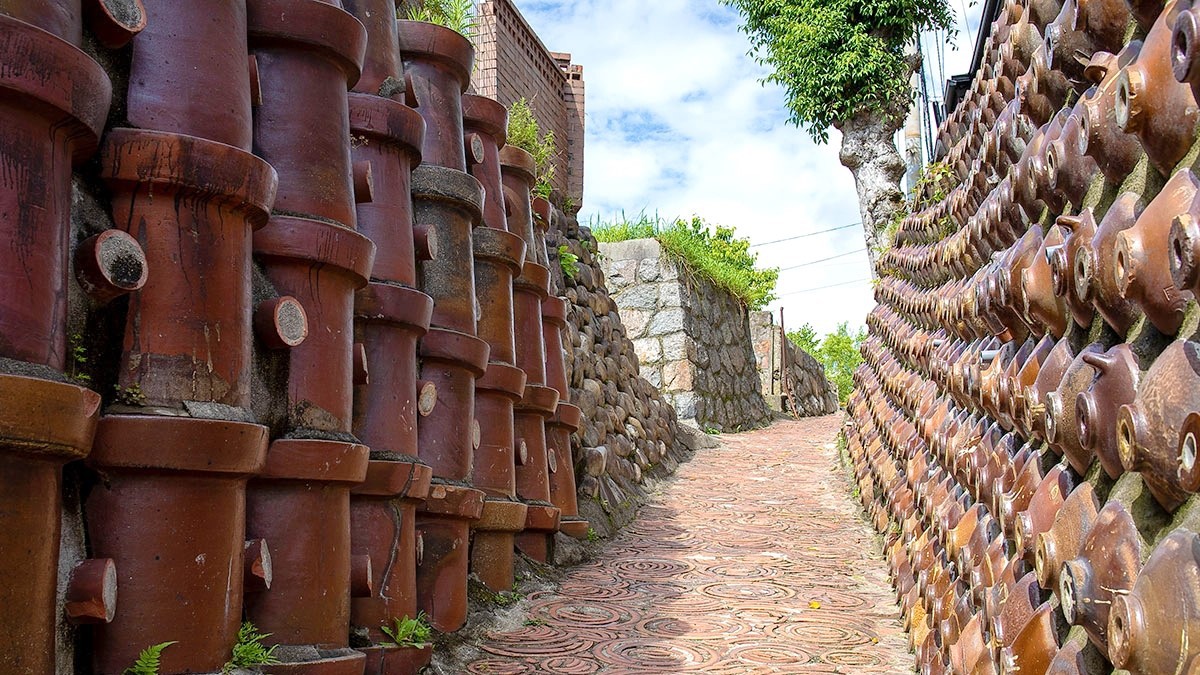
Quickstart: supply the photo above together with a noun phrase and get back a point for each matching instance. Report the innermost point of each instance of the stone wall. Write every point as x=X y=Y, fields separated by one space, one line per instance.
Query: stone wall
x=692 y=338
x=814 y=394
x=630 y=430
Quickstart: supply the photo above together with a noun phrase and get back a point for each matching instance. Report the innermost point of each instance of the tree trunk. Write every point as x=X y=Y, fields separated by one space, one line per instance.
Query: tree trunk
x=869 y=151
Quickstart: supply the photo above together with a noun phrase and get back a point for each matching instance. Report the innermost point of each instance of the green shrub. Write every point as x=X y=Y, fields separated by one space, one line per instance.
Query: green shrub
x=524 y=133
x=457 y=15
x=709 y=251
x=569 y=262
x=837 y=351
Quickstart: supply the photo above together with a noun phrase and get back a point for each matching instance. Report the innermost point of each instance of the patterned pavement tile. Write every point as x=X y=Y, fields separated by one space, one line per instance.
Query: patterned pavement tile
x=754 y=561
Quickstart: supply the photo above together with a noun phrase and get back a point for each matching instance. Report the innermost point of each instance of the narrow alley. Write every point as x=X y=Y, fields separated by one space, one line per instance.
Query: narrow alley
x=753 y=560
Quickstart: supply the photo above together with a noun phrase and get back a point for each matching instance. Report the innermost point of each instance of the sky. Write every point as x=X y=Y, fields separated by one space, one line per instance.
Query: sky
x=679 y=124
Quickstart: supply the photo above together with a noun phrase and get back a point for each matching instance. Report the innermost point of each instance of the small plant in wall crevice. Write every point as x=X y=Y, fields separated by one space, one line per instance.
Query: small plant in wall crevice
x=249 y=651
x=406 y=632
x=568 y=261
x=149 y=660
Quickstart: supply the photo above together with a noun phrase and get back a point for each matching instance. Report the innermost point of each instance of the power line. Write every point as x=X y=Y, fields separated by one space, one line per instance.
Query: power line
x=821 y=288
x=814 y=262
x=809 y=234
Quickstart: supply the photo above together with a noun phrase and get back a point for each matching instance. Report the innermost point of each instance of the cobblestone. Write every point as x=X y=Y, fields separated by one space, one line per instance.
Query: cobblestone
x=754 y=560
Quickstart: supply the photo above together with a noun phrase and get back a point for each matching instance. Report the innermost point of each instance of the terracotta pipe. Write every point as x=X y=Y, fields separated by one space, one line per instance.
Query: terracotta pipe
x=1062 y=433
x=1151 y=103
x=1148 y=427
x=1096 y=269
x=1152 y=629
x=1143 y=258
x=308 y=53
x=1106 y=566
x=193 y=473
x=539 y=403
x=566 y=421
x=53 y=112
x=190 y=72
x=390 y=318
x=1079 y=231
x=1116 y=383
x=1064 y=539
x=437 y=64
x=499 y=256
x=213 y=196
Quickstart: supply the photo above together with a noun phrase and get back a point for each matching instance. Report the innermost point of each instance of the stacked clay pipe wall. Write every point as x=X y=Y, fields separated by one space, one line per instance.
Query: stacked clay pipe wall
x=629 y=432
x=805 y=377
x=1024 y=428
x=238 y=373
x=692 y=338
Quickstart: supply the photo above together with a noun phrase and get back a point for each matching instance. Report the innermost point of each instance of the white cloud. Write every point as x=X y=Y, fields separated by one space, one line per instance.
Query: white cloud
x=678 y=123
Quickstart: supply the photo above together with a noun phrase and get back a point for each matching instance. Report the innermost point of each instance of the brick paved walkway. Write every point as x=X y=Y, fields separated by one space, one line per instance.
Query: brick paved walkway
x=754 y=561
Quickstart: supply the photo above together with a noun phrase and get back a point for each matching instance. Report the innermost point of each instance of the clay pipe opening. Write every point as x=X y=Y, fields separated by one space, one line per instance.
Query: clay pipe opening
x=256 y=571
x=1189 y=447
x=1131 y=426
x=1183 y=47
x=1185 y=242
x=1127 y=107
x=425 y=242
x=1126 y=630
x=426 y=398
x=92 y=592
x=115 y=22
x=281 y=323
x=109 y=265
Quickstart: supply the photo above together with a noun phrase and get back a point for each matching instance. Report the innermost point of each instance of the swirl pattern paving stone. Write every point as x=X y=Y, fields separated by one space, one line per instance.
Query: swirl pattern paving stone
x=754 y=560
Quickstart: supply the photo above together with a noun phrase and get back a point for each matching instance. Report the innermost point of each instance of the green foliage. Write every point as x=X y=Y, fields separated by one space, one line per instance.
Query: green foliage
x=709 y=251
x=524 y=133
x=837 y=351
x=836 y=59
x=569 y=262
x=148 y=661
x=77 y=359
x=457 y=15
x=131 y=396
x=805 y=338
x=593 y=535
x=249 y=651
x=409 y=632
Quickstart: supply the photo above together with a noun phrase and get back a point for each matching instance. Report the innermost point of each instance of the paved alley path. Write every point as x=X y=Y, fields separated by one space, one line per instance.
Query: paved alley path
x=753 y=561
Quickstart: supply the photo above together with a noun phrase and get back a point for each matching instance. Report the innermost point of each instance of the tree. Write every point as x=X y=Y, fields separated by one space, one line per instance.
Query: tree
x=848 y=64
x=838 y=352
x=805 y=339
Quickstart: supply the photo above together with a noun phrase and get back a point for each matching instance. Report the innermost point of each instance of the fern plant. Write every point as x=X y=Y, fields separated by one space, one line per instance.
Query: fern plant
x=457 y=15
x=408 y=632
x=249 y=651
x=149 y=660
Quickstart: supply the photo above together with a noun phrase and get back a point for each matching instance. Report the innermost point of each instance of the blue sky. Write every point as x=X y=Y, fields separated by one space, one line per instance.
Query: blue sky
x=679 y=124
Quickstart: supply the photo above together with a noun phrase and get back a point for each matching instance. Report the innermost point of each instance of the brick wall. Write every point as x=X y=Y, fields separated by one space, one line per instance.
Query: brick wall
x=511 y=62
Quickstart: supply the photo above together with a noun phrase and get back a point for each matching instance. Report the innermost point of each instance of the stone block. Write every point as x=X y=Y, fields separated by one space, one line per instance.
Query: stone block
x=666 y=321
x=634 y=249
x=670 y=294
x=676 y=346
x=649 y=350
x=644 y=296
x=650 y=269
x=635 y=321
x=678 y=376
